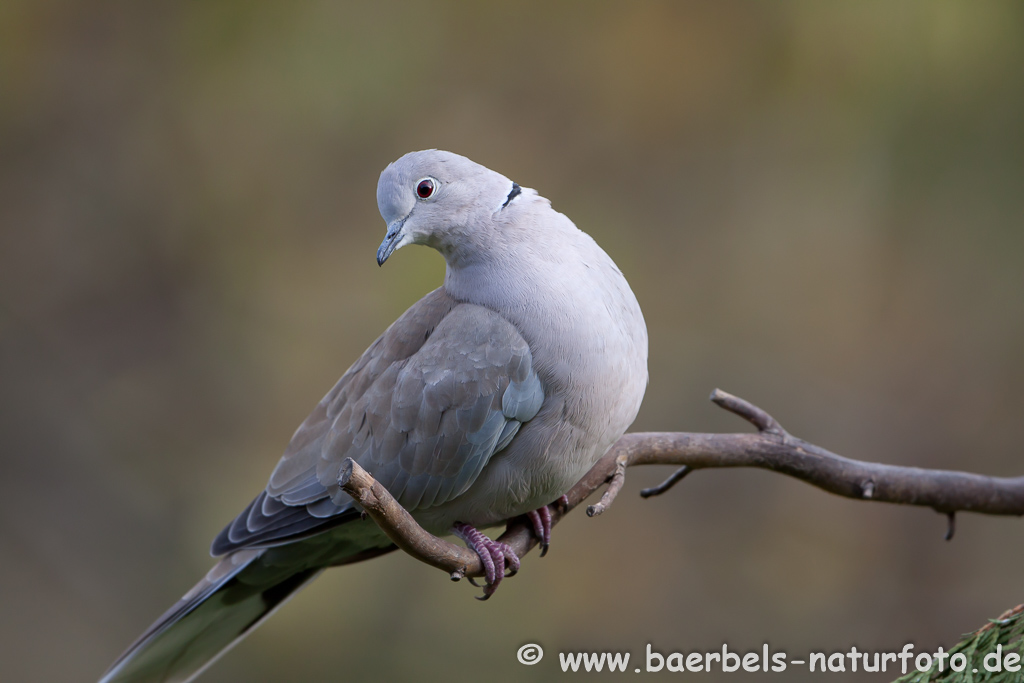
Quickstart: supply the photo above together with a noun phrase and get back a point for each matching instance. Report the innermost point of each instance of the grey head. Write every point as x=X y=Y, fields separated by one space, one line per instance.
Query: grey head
x=442 y=200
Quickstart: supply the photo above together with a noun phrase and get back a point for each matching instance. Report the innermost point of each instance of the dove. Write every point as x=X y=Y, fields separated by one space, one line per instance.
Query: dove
x=486 y=400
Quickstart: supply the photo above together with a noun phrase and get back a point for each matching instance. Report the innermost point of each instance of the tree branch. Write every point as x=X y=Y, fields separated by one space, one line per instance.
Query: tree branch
x=771 y=448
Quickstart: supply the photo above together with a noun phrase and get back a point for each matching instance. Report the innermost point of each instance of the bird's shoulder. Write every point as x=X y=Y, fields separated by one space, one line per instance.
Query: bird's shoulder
x=436 y=392
x=401 y=340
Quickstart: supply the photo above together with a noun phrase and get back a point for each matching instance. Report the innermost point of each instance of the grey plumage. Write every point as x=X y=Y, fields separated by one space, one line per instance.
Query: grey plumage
x=488 y=398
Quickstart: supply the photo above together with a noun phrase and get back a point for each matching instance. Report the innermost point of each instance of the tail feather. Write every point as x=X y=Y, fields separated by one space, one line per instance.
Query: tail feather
x=241 y=590
x=234 y=598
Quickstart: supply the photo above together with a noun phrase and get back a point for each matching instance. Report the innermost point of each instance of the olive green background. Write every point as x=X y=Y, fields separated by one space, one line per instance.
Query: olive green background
x=818 y=205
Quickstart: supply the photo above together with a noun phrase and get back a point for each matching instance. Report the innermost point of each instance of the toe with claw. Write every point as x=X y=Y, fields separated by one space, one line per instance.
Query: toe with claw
x=494 y=556
x=541 y=520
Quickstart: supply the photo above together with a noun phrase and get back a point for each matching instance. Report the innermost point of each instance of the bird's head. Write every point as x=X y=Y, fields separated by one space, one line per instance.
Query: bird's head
x=439 y=199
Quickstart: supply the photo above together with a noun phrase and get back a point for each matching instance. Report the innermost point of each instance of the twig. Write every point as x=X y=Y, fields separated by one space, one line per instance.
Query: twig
x=401 y=528
x=615 y=484
x=664 y=486
x=764 y=422
x=771 y=448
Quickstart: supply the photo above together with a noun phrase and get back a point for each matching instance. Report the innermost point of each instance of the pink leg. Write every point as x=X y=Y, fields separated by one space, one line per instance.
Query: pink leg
x=493 y=555
x=541 y=520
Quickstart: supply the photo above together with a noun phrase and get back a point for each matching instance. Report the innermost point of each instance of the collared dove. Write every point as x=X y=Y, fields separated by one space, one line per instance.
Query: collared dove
x=488 y=399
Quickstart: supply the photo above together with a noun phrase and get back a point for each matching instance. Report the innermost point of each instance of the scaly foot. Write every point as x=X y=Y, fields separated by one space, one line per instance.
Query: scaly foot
x=493 y=555
x=541 y=520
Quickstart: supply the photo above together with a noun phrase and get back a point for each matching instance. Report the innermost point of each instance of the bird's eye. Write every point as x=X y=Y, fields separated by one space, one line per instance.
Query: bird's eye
x=425 y=188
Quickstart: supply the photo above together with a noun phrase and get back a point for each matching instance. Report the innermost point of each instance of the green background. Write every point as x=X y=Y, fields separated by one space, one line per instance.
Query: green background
x=820 y=207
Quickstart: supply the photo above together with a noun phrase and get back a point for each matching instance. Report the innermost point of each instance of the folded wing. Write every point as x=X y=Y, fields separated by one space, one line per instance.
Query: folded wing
x=424 y=409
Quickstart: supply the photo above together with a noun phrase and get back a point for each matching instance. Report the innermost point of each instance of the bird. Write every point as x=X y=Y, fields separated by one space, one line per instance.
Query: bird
x=486 y=400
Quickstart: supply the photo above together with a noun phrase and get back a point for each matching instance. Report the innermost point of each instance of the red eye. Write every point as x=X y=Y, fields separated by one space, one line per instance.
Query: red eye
x=425 y=188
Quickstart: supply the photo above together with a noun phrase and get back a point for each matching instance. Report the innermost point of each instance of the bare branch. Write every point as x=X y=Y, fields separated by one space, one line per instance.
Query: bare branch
x=400 y=527
x=748 y=411
x=771 y=448
x=615 y=484
x=664 y=486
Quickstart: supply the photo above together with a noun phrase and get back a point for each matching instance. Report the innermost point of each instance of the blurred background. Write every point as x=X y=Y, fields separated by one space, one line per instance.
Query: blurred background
x=818 y=205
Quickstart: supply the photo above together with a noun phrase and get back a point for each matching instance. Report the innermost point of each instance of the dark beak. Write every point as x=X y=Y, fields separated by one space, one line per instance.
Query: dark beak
x=390 y=240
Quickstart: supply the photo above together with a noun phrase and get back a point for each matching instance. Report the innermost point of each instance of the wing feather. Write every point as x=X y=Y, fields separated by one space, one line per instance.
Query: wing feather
x=424 y=409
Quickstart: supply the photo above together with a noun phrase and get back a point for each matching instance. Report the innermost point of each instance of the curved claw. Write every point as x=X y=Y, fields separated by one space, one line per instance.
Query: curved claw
x=494 y=556
x=541 y=520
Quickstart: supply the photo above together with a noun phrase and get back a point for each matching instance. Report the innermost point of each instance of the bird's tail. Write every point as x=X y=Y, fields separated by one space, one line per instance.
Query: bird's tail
x=235 y=597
